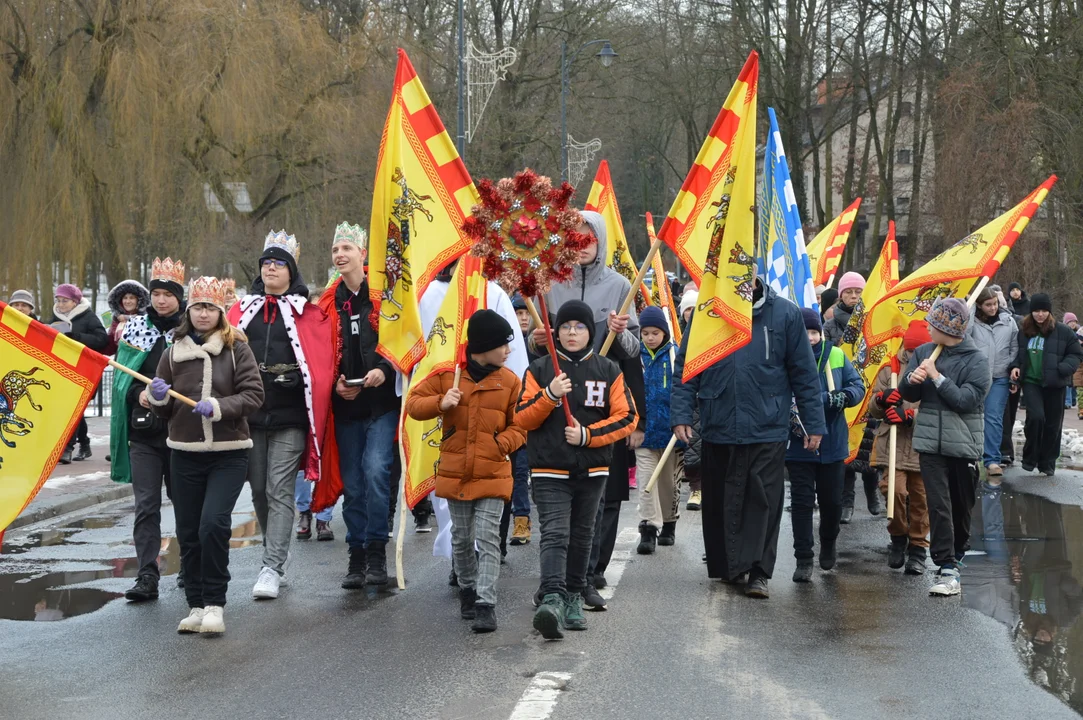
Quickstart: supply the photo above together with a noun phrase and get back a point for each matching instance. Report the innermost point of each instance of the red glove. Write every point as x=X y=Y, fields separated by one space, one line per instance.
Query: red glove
x=894 y=417
x=889 y=397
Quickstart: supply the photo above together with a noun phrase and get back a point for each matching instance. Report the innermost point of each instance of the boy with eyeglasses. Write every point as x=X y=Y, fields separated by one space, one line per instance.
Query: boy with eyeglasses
x=570 y=463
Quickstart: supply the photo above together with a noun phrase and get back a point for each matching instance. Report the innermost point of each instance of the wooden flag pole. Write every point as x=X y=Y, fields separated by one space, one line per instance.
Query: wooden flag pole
x=458 y=375
x=664 y=459
x=543 y=322
x=400 y=579
x=637 y=283
x=144 y=379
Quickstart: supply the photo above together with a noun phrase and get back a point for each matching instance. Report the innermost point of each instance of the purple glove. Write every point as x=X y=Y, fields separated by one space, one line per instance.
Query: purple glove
x=204 y=408
x=159 y=388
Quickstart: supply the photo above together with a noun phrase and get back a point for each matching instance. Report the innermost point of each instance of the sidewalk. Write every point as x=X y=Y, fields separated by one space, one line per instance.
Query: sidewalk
x=78 y=485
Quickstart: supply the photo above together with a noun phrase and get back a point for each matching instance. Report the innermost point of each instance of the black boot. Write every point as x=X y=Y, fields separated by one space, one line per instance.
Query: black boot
x=847 y=515
x=355 y=575
x=146 y=588
x=453 y=579
x=874 y=499
x=896 y=552
x=648 y=538
x=377 y=571
x=668 y=536
x=468 y=598
x=84 y=452
x=485 y=621
x=803 y=573
x=915 y=561
x=827 y=554
x=65 y=457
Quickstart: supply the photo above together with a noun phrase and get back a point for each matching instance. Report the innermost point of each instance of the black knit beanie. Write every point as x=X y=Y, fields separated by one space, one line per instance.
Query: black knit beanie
x=486 y=331
x=576 y=311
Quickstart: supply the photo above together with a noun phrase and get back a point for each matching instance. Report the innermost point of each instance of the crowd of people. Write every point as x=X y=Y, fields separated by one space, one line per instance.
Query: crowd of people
x=285 y=389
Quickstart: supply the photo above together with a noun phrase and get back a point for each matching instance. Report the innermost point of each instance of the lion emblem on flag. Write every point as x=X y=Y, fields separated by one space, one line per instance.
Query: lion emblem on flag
x=397 y=266
x=14 y=387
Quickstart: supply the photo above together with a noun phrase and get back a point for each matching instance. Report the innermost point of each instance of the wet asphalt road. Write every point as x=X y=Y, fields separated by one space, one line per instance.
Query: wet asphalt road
x=859 y=642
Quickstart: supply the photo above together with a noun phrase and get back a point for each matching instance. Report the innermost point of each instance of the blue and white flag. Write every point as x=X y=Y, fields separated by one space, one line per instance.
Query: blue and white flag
x=782 y=258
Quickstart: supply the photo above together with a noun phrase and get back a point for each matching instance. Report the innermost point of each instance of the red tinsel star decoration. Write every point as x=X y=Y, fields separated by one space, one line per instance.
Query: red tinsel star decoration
x=526 y=232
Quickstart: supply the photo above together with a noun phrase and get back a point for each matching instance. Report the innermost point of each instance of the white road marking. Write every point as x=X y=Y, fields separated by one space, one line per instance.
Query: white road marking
x=628 y=536
x=541 y=696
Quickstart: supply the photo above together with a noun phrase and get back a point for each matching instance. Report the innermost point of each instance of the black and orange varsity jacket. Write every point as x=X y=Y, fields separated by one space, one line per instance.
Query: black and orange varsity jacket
x=599 y=400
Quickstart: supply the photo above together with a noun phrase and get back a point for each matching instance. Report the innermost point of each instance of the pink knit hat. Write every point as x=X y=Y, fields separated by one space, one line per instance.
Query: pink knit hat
x=1070 y=317
x=850 y=281
x=69 y=291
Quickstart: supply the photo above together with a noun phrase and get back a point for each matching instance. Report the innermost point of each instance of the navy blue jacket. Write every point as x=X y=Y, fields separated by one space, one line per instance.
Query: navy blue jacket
x=745 y=398
x=835 y=446
x=658 y=378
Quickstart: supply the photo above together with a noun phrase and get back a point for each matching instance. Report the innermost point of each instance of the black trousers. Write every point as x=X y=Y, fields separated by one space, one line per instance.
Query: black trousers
x=1045 y=418
x=206 y=486
x=869 y=480
x=1007 y=445
x=81 y=435
x=743 y=493
x=951 y=489
x=809 y=482
x=150 y=469
x=605 y=537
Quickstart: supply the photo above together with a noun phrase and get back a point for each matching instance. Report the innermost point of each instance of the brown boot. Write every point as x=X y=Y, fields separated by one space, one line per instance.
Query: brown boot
x=521 y=534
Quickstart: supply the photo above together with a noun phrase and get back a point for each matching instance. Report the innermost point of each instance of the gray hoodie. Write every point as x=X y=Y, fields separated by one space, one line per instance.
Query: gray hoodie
x=604 y=289
x=999 y=340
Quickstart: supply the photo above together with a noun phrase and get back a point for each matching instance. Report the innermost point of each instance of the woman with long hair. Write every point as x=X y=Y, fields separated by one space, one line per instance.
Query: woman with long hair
x=209 y=361
x=1049 y=353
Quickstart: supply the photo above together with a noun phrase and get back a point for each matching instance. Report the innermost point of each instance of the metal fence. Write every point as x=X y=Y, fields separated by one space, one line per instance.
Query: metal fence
x=101 y=404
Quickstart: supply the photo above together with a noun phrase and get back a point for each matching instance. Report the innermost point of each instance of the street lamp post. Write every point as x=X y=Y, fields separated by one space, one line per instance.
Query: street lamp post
x=606 y=55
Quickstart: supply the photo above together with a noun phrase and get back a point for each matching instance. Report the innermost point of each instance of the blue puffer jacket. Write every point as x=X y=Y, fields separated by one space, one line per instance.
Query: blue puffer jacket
x=745 y=398
x=835 y=446
x=658 y=377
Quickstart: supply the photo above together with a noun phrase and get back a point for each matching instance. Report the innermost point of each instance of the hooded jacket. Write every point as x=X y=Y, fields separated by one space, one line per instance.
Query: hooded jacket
x=835 y=444
x=658 y=382
x=952 y=417
x=604 y=289
x=115 y=297
x=998 y=340
x=745 y=398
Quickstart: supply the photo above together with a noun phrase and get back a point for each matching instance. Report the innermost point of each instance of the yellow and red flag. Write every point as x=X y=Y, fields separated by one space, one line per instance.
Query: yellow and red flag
x=421 y=197
x=467 y=293
x=603 y=200
x=825 y=250
x=715 y=213
x=46 y=381
x=700 y=207
x=883 y=278
x=952 y=273
x=661 y=296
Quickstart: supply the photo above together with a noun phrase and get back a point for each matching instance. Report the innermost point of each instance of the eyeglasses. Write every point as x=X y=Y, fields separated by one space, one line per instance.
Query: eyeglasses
x=273 y=261
x=573 y=327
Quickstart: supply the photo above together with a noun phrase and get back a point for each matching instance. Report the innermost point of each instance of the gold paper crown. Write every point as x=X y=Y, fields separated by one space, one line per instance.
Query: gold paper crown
x=284 y=241
x=229 y=285
x=345 y=232
x=208 y=290
x=167 y=271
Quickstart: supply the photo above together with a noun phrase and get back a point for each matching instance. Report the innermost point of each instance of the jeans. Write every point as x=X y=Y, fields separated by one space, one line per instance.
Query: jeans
x=1007 y=444
x=366 y=455
x=809 y=482
x=477 y=520
x=520 y=489
x=995 y=404
x=302 y=497
x=566 y=511
x=1045 y=418
x=950 y=488
x=272 y=473
x=206 y=486
x=1069 y=397
x=150 y=467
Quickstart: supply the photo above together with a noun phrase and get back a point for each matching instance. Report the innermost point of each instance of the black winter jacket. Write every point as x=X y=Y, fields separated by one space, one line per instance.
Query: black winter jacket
x=359 y=356
x=1060 y=357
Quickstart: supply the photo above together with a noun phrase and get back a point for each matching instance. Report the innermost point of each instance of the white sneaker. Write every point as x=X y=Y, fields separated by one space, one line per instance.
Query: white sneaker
x=193 y=622
x=266 y=587
x=947 y=583
x=213 y=622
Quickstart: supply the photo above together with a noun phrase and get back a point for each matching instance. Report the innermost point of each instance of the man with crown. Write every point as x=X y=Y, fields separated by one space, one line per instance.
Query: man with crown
x=137 y=438
x=361 y=448
x=290 y=338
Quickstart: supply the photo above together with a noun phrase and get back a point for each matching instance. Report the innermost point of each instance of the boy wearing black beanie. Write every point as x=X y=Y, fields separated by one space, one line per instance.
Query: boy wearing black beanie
x=570 y=464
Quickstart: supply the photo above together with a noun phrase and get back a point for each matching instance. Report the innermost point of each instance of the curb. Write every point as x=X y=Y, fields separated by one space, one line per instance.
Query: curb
x=64 y=507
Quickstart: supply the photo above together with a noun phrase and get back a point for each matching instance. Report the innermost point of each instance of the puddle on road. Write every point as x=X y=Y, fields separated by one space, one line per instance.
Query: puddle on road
x=1031 y=580
x=46 y=596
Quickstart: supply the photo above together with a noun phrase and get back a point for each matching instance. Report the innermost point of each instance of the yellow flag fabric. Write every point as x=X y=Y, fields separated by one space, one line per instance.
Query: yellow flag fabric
x=952 y=273
x=716 y=210
x=884 y=277
x=825 y=250
x=661 y=296
x=467 y=293
x=46 y=381
x=420 y=199
x=603 y=200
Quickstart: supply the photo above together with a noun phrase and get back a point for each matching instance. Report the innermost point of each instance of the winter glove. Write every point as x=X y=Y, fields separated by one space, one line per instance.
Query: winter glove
x=159 y=388
x=837 y=399
x=204 y=408
x=888 y=398
x=894 y=417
